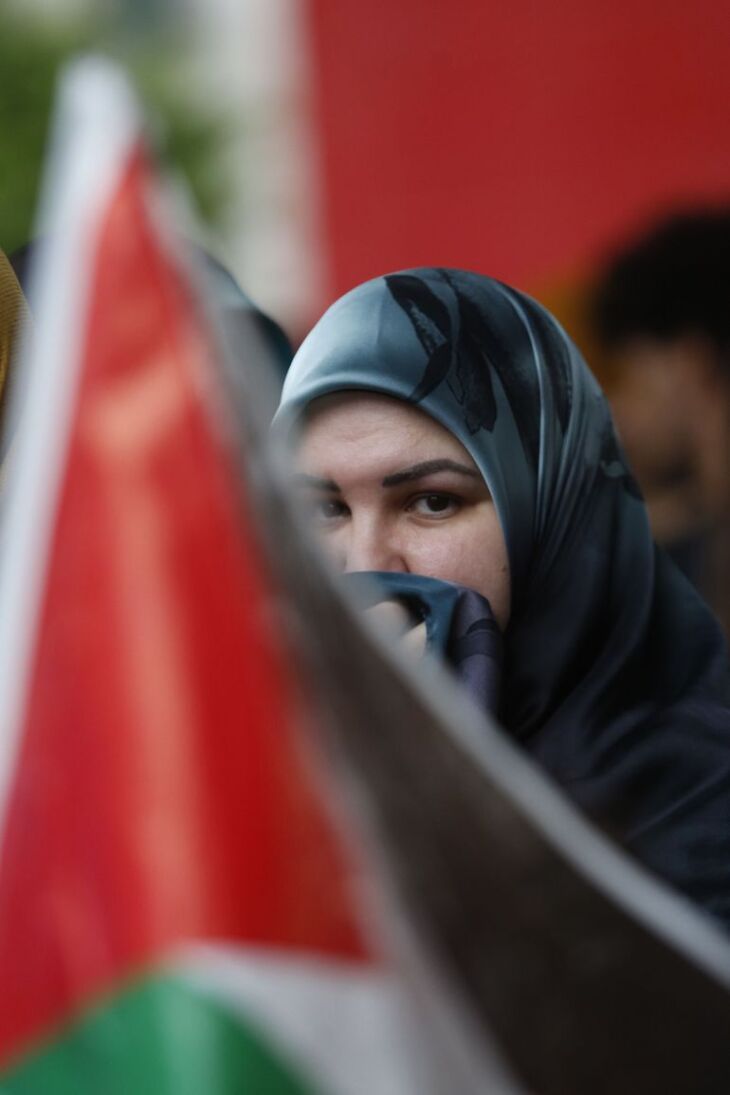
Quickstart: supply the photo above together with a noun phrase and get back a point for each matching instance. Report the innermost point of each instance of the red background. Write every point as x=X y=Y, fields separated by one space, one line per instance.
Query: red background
x=518 y=138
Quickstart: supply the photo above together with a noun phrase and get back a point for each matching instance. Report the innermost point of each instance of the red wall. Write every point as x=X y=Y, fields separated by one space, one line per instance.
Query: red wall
x=516 y=138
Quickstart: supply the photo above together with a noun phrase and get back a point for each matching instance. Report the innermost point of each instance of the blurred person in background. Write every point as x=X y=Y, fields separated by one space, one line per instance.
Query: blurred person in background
x=662 y=312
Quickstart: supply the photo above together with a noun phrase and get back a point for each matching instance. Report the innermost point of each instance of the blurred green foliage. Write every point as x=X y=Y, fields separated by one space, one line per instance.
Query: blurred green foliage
x=189 y=135
x=31 y=54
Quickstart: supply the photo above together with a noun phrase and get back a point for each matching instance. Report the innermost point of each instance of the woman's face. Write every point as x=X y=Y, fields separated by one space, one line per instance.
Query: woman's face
x=388 y=488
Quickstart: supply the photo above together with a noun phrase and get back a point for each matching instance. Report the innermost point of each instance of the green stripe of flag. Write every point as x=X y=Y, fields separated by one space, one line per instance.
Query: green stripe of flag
x=158 y=1038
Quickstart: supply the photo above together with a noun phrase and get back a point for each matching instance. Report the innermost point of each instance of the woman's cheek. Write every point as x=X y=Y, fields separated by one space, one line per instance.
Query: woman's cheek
x=441 y=556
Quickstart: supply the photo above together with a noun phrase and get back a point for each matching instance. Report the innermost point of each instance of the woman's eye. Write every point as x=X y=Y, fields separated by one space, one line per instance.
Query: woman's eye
x=434 y=505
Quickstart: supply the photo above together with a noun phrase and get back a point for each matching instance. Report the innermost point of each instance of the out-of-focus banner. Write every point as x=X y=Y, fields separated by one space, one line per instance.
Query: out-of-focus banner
x=517 y=139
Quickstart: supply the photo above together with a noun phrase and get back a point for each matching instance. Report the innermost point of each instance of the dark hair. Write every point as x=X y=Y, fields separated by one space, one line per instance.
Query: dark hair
x=674 y=280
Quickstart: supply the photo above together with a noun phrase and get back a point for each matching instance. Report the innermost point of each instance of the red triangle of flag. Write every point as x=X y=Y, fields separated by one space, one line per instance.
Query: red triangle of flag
x=161 y=792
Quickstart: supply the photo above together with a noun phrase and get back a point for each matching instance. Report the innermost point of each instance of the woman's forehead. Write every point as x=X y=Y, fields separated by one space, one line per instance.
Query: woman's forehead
x=375 y=426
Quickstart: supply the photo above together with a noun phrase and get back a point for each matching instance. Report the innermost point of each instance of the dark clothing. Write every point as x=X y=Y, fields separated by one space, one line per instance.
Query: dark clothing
x=460 y=628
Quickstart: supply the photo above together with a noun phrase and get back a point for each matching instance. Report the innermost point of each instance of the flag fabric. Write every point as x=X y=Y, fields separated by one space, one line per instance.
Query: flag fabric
x=176 y=901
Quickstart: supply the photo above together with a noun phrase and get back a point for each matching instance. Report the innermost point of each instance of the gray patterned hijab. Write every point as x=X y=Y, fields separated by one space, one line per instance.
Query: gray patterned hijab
x=615 y=674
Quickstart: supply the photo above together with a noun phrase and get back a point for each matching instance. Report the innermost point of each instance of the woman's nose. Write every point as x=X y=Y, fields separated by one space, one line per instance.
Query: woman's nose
x=372 y=545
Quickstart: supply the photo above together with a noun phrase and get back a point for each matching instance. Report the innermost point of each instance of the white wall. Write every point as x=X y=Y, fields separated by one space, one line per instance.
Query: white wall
x=252 y=58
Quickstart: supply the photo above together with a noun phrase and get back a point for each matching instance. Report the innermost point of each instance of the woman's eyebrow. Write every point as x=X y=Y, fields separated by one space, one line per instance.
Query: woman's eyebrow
x=428 y=467
x=301 y=479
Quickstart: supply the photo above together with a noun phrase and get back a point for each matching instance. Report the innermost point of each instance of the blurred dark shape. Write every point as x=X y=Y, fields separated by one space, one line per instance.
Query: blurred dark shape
x=233 y=308
x=662 y=311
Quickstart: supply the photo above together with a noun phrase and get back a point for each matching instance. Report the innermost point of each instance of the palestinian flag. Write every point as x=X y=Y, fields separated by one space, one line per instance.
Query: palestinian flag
x=176 y=902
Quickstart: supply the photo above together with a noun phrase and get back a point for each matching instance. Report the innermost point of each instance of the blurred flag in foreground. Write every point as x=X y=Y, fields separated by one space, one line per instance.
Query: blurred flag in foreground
x=175 y=900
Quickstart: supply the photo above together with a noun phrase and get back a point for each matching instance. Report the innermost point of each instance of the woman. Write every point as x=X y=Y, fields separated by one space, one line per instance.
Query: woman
x=451 y=429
